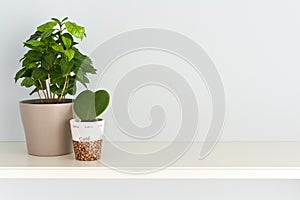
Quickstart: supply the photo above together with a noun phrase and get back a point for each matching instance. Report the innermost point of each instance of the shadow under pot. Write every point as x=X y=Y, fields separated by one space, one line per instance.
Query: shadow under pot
x=46 y=127
x=87 y=139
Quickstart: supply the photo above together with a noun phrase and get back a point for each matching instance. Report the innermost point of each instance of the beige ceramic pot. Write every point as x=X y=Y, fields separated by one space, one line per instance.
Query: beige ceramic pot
x=46 y=127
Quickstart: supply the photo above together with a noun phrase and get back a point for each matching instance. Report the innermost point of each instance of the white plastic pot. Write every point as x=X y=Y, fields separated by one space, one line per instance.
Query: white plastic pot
x=87 y=139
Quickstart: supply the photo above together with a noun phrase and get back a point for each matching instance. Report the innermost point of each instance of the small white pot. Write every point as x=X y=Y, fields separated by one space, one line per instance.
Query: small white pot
x=87 y=139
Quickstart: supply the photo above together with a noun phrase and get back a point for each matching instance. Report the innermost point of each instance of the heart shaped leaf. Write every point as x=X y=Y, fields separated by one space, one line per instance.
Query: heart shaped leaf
x=101 y=101
x=89 y=105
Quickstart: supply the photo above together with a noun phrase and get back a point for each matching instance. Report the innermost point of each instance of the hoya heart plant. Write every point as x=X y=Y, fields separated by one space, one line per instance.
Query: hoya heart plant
x=53 y=63
x=88 y=105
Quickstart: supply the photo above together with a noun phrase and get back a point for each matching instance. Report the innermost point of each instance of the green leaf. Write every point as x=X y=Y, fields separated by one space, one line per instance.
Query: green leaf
x=67 y=41
x=79 y=55
x=56 y=20
x=46 y=34
x=55 y=90
x=38 y=85
x=31 y=58
x=81 y=77
x=72 y=86
x=87 y=66
x=33 y=55
x=19 y=74
x=75 y=30
x=34 y=91
x=89 y=105
x=84 y=62
x=84 y=105
x=24 y=72
x=39 y=73
x=35 y=36
x=27 y=82
x=49 y=59
x=33 y=43
x=56 y=75
x=64 y=19
x=47 y=26
x=57 y=79
x=30 y=65
x=70 y=54
x=101 y=101
x=72 y=89
x=66 y=66
x=58 y=48
x=68 y=35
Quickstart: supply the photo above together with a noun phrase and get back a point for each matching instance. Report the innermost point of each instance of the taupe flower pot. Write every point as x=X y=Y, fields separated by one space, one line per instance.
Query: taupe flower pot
x=46 y=127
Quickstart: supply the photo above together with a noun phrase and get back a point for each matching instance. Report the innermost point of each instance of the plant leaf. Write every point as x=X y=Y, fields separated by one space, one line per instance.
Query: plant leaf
x=39 y=73
x=35 y=36
x=55 y=90
x=47 y=26
x=66 y=66
x=28 y=65
x=81 y=77
x=46 y=34
x=24 y=72
x=27 y=82
x=84 y=105
x=33 y=43
x=58 y=48
x=70 y=54
x=57 y=79
x=64 y=19
x=67 y=41
x=31 y=57
x=72 y=86
x=49 y=59
x=84 y=62
x=56 y=20
x=75 y=30
x=34 y=91
x=89 y=105
x=101 y=101
x=87 y=66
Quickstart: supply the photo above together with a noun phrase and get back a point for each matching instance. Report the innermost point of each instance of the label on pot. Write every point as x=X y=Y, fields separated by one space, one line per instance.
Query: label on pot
x=87 y=131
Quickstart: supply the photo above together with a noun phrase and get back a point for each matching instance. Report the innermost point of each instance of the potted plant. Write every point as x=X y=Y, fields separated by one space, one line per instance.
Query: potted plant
x=87 y=131
x=51 y=67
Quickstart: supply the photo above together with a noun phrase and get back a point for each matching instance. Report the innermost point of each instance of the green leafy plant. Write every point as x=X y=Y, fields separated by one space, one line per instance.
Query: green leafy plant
x=89 y=105
x=53 y=64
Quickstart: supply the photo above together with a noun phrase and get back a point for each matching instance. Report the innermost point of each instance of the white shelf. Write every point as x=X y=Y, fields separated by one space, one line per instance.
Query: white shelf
x=229 y=160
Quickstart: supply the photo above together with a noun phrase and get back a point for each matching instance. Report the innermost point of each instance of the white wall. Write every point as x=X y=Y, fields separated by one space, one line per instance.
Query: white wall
x=254 y=44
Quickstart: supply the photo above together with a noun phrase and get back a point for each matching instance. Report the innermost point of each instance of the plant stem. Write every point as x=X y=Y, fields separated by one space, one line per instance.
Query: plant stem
x=40 y=96
x=43 y=89
x=50 y=93
x=63 y=90
x=47 y=92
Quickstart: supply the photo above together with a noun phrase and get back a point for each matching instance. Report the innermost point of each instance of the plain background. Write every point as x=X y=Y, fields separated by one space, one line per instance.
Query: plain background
x=254 y=44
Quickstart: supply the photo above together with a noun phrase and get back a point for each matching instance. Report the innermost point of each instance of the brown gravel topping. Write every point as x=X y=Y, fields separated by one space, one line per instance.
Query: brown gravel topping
x=87 y=151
